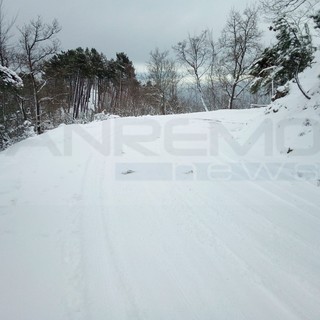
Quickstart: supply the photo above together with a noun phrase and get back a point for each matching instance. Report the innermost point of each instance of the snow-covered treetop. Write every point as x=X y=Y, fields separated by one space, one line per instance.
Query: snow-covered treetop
x=9 y=78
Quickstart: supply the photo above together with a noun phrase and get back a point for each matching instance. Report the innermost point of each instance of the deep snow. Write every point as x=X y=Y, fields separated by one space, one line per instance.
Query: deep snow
x=202 y=216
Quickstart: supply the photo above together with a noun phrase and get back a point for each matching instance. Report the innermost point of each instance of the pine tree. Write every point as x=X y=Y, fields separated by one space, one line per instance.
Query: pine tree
x=292 y=54
x=122 y=84
x=76 y=72
x=316 y=19
x=9 y=79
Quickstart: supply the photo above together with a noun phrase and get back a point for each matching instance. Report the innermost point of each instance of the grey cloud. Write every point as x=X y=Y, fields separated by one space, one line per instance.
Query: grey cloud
x=135 y=27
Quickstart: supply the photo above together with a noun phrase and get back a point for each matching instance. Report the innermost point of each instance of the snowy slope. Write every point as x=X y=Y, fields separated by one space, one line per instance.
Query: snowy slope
x=200 y=216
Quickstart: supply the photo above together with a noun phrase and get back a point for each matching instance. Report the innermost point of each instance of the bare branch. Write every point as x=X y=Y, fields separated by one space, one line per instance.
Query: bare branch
x=37 y=43
x=298 y=11
x=197 y=54
x=5 y=35
x=239 y=46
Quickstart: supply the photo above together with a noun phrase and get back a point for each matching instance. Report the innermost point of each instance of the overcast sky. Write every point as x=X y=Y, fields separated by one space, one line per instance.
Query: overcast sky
x=132 y=26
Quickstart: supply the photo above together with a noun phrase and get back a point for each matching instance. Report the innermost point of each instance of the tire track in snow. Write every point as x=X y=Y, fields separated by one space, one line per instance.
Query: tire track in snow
x=209 y=249
x=236 y=250
x=254 y=185
x=71 y=242
x=132 y=310
x=226 y=264
x=165 y=253
x=106 y=292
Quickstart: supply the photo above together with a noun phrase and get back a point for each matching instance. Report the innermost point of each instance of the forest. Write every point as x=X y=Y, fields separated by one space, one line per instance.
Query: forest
x=42 y=86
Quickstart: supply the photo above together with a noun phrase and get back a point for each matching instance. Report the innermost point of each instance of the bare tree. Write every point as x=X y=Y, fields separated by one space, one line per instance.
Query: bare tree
x=196 y=53
x=5 y=28
x=162 y=73
x=239 y=45
x=37 y=43
x=297 y=13
x=274 y=8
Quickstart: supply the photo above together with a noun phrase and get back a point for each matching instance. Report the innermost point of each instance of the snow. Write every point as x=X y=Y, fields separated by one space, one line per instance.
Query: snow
x=10 y=77
x=198 y=216
x=282 y=89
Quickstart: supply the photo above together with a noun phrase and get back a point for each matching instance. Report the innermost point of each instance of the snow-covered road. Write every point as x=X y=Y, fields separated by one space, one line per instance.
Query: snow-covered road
x=141 y=219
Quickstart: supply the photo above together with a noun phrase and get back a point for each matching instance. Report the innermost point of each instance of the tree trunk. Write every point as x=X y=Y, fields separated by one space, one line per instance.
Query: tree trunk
x=233 y=91
x=38 y=119
x=201 y=94
x=37 y=105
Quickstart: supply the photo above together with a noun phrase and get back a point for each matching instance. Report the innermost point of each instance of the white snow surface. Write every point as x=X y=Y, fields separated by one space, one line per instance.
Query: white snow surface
x=199 y=216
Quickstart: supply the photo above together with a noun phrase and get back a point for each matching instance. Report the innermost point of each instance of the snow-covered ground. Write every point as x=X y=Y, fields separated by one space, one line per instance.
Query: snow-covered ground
x=202 y=216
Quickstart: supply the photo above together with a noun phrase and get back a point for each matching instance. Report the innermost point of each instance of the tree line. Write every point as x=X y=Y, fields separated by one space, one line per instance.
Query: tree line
x=42 y=87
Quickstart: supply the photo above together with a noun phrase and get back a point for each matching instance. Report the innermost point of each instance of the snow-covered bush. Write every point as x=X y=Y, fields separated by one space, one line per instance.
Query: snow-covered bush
x=9 y=78
x=104 y=116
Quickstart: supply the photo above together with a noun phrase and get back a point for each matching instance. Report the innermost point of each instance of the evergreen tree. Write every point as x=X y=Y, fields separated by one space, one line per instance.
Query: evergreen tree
x=87 y=76
x=9 y=79
x=123 y=85
x=77 y=72
x=292 y=53
x=316 y=19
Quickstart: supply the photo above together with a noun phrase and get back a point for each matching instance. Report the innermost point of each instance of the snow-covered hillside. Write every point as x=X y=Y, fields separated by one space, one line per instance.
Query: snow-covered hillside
x=202 y=216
